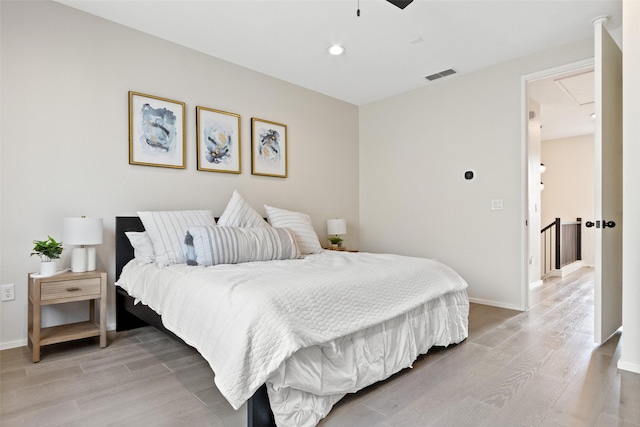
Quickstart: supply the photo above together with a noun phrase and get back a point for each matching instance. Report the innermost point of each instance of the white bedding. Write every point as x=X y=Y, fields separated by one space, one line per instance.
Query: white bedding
x=348 y=319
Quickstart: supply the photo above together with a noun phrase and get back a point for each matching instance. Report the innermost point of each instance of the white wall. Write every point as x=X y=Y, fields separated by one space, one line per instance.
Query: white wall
x=630 y=357
x=569 y=185
x=65 y=79
x=414 y=149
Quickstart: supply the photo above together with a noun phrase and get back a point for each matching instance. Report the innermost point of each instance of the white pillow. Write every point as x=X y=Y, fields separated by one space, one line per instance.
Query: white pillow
x=301 y=225
x=142 y=246
x=239 y=213
x=167 y=230
x=233 y=245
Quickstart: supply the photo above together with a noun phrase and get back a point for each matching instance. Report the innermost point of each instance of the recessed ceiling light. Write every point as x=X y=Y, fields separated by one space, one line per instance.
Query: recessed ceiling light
x=336 y=50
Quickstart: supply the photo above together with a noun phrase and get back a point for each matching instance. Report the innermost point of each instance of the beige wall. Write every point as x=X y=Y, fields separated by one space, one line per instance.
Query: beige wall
x=569 y=185
x=630 y=357
x=414 y=149
x=65 y=78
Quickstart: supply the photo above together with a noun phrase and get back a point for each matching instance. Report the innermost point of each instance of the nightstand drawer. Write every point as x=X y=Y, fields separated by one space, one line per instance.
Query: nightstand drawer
x=70 y=289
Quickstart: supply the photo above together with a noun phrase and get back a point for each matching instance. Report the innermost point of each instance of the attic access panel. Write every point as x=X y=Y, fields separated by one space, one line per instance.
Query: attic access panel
x=579 y=87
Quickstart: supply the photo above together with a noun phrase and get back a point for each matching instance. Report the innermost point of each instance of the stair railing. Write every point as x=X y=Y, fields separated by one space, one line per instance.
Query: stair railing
x=561 y=244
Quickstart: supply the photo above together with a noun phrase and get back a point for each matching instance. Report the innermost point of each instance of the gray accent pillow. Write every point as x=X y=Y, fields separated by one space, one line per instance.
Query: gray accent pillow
x=234 y=245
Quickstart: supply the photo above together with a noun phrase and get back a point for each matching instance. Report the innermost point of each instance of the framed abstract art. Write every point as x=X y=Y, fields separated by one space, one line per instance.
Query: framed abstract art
x=218 y=140
x=268 y=148
x=156 y=131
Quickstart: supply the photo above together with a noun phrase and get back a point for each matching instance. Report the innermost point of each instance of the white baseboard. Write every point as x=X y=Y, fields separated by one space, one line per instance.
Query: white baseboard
x=13 y=344
x=574 y=266
x=495 y=304
x=535 y=284
x=631 y=367
x=567 y=269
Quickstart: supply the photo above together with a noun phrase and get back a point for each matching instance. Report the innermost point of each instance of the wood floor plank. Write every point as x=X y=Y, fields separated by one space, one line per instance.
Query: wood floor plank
x=467 y=413
x=622 y=400
x=506 y=383
x=585 y=397
x=64 y=388
x=419 y=406
x=411 y=385
x=59 y=414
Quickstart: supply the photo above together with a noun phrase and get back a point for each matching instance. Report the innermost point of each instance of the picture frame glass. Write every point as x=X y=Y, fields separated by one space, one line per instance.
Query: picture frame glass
x=219 y=140
x=268 y=148
x=156 y=131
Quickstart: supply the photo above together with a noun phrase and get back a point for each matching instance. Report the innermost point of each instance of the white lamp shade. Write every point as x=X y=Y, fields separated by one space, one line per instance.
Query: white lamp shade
x=82 y=231
x=336 y=226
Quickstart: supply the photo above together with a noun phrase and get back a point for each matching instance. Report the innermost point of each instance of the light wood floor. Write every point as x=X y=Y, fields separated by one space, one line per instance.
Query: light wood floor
x=538 y=368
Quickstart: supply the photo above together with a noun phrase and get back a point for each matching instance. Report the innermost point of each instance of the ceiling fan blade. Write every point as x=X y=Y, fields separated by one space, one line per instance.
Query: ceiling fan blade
x=400 y=3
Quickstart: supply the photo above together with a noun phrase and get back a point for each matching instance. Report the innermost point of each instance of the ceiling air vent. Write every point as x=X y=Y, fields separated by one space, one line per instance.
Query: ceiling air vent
x=441 y=74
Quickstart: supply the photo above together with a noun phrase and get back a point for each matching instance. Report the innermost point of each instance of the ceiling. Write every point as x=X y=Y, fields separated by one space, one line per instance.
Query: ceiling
x=388 y=50
x=566 y=104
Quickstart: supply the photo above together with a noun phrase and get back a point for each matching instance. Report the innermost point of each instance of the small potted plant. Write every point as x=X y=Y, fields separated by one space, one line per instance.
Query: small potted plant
x=336 y=241
x=49 y=251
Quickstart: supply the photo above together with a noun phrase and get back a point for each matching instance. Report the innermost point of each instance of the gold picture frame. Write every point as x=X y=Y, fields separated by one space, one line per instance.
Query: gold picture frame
x=218 y=140
x=156 y=131
x=269 y=150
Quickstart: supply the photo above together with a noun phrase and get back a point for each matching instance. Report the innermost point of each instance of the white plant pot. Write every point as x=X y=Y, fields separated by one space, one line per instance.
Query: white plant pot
x=48 y=268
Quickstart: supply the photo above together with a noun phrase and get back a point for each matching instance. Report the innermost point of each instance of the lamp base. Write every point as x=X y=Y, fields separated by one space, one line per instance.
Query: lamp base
x=91 y=258
x=79 y=260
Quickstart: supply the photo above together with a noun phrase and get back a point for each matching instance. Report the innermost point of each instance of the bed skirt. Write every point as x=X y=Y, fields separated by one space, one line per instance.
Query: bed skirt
x=307 y=385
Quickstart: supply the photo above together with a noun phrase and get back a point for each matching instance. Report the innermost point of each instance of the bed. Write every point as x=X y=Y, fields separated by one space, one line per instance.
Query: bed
x=318 y=341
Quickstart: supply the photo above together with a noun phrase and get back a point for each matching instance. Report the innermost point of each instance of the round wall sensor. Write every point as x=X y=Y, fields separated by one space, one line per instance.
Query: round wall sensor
x=469 y=175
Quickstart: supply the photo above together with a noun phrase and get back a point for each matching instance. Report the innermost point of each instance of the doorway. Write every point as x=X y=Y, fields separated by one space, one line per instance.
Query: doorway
x=556 y=110
x=607 y=65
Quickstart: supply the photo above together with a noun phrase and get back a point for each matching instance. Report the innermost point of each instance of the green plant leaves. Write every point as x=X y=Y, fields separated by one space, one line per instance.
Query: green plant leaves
x=47 y=249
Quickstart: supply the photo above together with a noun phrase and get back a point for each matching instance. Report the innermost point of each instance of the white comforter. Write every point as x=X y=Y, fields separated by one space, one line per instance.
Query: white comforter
x=247 y=319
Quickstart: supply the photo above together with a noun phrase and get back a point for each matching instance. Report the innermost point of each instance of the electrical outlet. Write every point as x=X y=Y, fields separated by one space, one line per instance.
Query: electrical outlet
x=8 y=293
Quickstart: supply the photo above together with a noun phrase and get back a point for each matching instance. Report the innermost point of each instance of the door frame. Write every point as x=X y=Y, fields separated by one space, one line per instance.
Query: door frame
x=525 y=230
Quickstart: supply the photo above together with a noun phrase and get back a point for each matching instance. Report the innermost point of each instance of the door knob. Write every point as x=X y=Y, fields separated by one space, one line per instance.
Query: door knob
x=605 y=224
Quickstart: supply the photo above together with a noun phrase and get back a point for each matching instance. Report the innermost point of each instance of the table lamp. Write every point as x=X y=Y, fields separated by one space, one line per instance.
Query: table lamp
x=334 y=228
x=82 y=231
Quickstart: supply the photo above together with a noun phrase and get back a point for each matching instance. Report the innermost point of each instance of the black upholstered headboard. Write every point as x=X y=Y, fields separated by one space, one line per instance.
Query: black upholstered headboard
x=124 y=250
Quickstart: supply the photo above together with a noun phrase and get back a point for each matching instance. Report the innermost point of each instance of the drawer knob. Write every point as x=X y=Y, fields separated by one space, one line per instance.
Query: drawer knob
x=73 y=289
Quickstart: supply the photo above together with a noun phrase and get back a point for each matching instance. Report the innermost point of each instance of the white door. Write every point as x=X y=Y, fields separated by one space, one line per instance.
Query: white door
x=608 y=183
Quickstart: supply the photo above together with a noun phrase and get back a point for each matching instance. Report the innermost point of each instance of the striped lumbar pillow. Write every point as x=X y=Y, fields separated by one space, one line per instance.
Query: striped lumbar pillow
x=232 y=245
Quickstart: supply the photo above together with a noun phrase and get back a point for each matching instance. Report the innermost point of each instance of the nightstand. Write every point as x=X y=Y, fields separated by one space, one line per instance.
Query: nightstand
x=63 y=288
